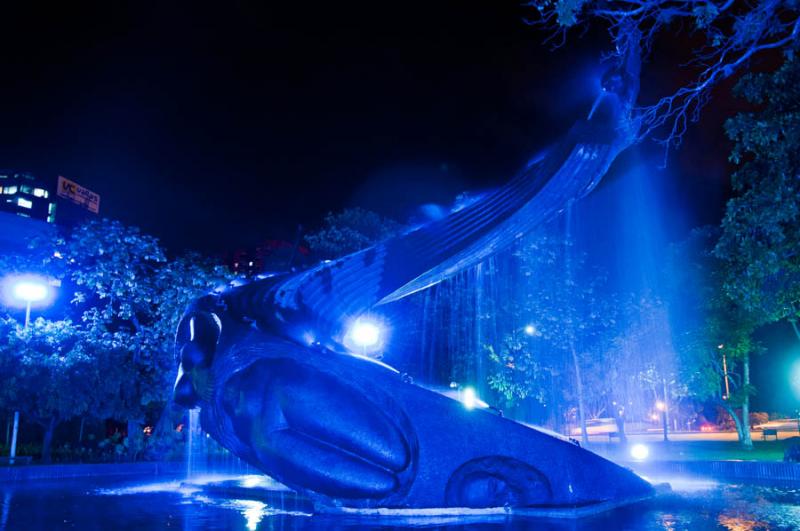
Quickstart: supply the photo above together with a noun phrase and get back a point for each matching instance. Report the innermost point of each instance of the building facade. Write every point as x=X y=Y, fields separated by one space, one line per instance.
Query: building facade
x=24 y=195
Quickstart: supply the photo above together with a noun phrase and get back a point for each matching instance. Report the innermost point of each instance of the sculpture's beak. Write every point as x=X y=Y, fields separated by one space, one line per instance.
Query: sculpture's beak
x=196 y=341
x=183 y=392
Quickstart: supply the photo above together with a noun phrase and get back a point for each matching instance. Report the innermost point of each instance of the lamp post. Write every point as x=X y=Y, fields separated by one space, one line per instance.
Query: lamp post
x=27 y=290
x=662 y=407
x=721 y=348
x=30 y=291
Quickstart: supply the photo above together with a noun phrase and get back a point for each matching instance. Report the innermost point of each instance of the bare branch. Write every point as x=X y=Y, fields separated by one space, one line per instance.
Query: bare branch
x=735 y=33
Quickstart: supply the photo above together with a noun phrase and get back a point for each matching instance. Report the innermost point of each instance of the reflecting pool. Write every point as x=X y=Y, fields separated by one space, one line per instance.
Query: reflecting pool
x=172 y=503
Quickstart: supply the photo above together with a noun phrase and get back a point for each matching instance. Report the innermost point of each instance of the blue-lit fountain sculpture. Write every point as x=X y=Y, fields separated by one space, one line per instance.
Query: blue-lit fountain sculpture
x=268 y=364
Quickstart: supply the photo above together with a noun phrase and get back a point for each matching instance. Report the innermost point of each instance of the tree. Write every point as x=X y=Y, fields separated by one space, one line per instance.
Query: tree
x=349 y=231
x=126 y=299
x=130 y=291
x=712 y=333
x=760 y=239
x=562 y=329
x=734 y=33
x=48 y=374
x=642 y=364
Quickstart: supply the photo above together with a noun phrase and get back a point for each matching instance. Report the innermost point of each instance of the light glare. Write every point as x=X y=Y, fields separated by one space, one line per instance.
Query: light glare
x=365 y=334
x=640 y=452
x=29 y=291
x=469 y=398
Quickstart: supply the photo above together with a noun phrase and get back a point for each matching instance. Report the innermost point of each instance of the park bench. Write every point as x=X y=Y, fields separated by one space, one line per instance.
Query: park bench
x=19 y=460
x=769 y=431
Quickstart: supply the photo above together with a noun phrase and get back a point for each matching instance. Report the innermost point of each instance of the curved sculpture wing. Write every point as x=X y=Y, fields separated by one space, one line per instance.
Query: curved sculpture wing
x=322 y=300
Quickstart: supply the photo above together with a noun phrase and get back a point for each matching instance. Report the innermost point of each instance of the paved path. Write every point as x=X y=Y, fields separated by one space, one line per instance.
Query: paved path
x=690 y=436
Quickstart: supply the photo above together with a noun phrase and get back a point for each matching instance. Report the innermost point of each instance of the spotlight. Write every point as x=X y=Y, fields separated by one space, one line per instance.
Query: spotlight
x=640 y=452
x=469 y=398
x=365 y=334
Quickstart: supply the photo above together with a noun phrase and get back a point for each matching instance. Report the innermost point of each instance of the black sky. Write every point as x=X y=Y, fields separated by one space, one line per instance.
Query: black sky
x=216 y=126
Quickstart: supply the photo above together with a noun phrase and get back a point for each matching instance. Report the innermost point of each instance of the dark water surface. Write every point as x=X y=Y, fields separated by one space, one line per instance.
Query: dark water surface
x=164 y=503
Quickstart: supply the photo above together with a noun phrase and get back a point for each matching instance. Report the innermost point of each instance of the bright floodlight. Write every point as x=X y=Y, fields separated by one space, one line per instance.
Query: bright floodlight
x=469 y=398
x=530 y=330
x=661 y=406
x=640 y=452
x=30 y=291
x=365 y=334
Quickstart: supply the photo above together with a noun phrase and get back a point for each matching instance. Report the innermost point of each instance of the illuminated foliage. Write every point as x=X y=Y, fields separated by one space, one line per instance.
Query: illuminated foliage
x=563 y=328
x=758 y=247
x=121 y=298
x=713 y=335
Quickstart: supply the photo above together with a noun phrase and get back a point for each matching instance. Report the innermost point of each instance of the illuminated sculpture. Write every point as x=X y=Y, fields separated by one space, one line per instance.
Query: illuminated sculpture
x=267 y=361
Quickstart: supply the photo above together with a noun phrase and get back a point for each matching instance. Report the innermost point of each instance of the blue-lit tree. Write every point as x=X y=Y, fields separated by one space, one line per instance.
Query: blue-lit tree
x=49 y=374
x=713 y=335
x=121 y=298
x=563 y=325
x=758 y=245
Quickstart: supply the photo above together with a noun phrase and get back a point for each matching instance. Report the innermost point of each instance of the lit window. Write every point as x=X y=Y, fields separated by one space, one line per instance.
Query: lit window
x=51 y=219
x=250 y=264
x=51 y=208
x=3 y=176
x=24 y=203
x=10 y=190
x=40 y=192
x=27 y=189
x=24 y=215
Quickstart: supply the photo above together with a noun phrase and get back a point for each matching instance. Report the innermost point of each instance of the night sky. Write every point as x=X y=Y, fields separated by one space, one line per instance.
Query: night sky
x=217 y=128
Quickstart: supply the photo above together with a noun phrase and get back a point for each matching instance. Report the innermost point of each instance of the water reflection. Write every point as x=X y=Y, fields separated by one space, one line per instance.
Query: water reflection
x=741 y=523
x=94 y=503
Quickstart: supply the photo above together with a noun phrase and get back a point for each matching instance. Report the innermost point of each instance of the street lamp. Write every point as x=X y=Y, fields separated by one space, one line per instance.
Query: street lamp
x=721 y=348
x=28 y=289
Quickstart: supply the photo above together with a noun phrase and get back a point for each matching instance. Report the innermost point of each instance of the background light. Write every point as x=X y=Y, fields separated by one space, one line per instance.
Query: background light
x=530 y=330
x=640 y=452
x=794 y=379
x=661 y=406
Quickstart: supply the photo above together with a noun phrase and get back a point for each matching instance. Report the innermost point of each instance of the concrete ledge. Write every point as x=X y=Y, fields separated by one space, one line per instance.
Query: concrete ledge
x=146 y=468
x=752 y=471
x=486 y=515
